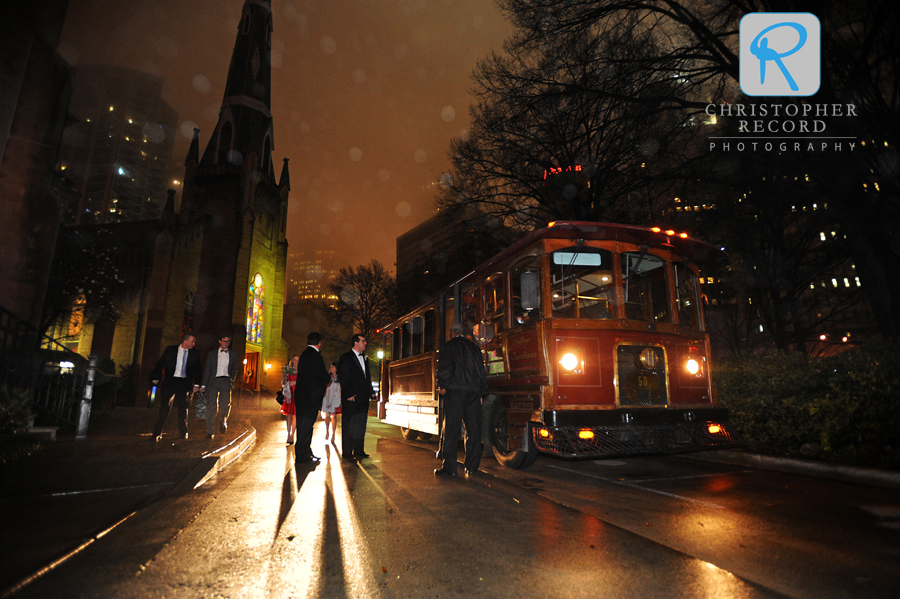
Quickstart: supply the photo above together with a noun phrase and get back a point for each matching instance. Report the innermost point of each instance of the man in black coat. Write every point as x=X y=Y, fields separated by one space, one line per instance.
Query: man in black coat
x=356 y=390
x=312 y=380
x=462 y=382
x=179 y=370
x=218 y=378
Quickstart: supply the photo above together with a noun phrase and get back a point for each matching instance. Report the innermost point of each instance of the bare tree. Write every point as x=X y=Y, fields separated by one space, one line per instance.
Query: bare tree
x=556 y=133
x=366 y=298
x=84 y=280
x=695 y=43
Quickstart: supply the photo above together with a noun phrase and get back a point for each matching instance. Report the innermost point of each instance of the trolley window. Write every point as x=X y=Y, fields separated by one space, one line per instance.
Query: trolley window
x=430 y=331
x=468 y=311
x=582 y=283
x=644 y=287
x=686 y=300
x=495 y=301
x=415 y=327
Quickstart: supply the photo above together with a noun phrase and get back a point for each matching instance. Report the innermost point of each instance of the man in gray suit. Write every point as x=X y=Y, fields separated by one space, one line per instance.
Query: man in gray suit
x=221 y=368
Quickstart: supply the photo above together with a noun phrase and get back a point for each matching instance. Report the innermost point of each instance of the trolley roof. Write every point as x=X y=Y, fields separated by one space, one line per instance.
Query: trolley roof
x=696 y=251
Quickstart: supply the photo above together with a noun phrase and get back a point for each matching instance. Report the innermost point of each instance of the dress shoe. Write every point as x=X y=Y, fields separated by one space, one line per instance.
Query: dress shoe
x=443 y=472
x=471 y=471
x=360 y=456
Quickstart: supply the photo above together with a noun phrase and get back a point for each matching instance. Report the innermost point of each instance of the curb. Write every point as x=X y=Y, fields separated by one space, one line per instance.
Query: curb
x=213 y=462
x=851 y=474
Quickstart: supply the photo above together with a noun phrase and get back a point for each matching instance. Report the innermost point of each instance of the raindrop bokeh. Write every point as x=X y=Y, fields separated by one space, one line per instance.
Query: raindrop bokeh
x=420 y=156
x=403 y=209
x=448 y=113
x=201 y=84
x=187 y=129
x=359 y=76
x=328 y=45
x=355 y=154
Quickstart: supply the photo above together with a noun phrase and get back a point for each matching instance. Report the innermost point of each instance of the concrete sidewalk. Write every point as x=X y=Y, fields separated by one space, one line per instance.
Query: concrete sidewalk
x=69 y=493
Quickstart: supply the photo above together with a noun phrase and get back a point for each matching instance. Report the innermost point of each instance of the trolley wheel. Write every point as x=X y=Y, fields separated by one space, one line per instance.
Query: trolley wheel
x=409 y=434
x=508 y=448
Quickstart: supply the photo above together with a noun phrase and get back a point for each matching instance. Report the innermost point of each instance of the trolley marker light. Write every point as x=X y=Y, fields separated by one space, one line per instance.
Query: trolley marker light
x=714 y=429
x=587 y=435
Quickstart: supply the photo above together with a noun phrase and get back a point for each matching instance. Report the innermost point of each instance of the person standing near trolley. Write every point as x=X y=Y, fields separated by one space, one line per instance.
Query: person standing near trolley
x=462 y=382
x=356 y=390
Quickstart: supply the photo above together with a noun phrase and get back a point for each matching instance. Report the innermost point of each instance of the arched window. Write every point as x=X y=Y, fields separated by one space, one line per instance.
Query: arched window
x=255 y=305
x=246 y=24
x=224 y=142
x=267 y=155
x=187 y=320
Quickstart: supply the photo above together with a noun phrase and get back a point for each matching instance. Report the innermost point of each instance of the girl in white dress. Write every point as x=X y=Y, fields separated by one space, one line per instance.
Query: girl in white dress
x=331 y=404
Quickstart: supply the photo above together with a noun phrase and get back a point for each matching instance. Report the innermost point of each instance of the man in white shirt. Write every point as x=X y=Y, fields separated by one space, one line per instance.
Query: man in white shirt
x=356 y=391
x=218 y=379
x=179 y=370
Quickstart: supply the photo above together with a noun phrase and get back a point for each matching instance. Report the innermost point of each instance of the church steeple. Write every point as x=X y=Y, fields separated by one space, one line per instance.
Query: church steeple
x=245 y=119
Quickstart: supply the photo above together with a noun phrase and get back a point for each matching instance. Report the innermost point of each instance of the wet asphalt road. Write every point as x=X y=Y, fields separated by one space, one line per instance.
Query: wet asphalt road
x=635 y=528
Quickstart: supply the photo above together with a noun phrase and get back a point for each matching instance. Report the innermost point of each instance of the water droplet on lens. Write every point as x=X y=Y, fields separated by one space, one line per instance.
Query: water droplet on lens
x=403 y=209
x=355 y=154
x=328 y=45
x=448 y=113
x=201 y=84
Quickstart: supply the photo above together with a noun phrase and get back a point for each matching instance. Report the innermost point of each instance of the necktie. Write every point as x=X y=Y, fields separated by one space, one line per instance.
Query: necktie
x=183 y=363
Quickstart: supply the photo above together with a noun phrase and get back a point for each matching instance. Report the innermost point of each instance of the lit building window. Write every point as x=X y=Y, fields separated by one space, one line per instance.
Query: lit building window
x=255 y=305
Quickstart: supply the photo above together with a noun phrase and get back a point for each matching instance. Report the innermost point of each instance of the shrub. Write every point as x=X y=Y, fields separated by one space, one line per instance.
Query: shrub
x=15 y=410
x=846 y=403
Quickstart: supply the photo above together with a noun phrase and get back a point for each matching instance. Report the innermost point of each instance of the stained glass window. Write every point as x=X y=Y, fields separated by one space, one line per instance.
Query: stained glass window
x=255 y=304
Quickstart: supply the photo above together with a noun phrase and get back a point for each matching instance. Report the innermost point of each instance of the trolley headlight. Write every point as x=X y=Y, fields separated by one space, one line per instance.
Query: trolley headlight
x=714 y=429
x=692 y=366
x=569 y=362
x=586 y=434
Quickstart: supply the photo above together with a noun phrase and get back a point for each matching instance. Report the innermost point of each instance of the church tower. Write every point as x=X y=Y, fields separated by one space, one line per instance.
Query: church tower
x=233 y=215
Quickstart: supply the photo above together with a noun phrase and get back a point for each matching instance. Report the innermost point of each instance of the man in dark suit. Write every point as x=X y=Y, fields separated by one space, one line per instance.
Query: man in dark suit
x=218 y=378
x=462 y=382
x=179 y=370
x=312 y=380
x=356 y=390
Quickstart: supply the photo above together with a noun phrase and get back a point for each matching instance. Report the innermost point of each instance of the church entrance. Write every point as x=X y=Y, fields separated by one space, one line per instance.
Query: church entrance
x=251 y=371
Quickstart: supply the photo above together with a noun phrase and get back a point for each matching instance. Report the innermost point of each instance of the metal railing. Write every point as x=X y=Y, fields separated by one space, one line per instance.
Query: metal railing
x=31 y=360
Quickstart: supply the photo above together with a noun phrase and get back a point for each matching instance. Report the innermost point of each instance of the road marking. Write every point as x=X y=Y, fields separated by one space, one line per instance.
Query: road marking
x=65 y=493
x=650 y=480
x=634 y=486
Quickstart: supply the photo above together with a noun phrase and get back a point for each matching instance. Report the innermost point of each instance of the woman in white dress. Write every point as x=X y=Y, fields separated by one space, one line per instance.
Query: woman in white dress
x=331 y=404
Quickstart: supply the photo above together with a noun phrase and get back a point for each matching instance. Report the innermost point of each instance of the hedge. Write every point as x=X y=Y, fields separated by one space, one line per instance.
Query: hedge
x=845 y=408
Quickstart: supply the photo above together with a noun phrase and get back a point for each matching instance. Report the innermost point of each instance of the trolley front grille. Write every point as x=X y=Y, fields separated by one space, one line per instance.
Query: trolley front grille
x=638 y=384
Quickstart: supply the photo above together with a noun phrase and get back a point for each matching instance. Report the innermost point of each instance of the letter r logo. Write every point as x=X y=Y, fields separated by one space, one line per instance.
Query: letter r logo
x=780 y=54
